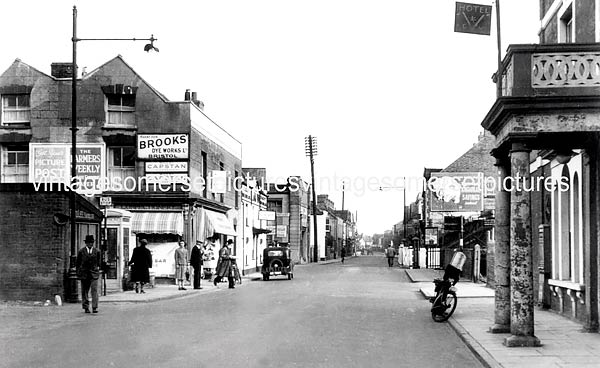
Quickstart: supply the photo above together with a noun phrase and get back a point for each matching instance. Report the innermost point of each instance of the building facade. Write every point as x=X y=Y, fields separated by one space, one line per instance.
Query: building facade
x=546 y=124
x=164 y=164
x=290 y=202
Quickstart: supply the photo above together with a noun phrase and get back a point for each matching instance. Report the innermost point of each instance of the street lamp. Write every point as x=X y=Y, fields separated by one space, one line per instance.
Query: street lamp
x=72 y=275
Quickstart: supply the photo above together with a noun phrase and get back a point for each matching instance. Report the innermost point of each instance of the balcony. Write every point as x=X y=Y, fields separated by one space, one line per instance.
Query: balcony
x=559 y=82
x=558 y=70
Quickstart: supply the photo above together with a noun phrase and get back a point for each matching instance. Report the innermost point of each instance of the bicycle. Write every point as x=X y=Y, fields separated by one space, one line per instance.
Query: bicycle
x=445 y=300
x=236 y=272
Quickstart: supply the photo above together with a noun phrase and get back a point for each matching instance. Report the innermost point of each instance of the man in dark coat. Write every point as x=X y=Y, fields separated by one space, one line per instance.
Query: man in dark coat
x=140 y=262
x=88 y=271
x=196 y=261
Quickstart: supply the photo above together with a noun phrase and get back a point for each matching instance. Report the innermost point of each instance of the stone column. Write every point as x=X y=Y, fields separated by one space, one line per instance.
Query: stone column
x=591 y=224
x=521 y=265
x=502 y=251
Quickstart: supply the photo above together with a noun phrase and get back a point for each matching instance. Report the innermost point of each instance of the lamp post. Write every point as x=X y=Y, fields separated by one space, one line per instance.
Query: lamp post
x=71 y=292
x=310 y=146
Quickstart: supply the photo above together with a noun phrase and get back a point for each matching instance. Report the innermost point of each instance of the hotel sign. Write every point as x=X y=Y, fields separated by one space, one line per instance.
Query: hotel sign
x=473 y=18
x=162 y=146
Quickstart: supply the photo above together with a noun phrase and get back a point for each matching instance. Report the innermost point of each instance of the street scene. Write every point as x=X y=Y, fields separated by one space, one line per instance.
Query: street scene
x=262 y=183
x=355 y=314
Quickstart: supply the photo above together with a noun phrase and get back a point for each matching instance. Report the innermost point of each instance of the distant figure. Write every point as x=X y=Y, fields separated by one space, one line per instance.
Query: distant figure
x=343 y=254
x=197 y=260
x=390 y=253
x=180 y=264
x=88 y=271
x=141 y=262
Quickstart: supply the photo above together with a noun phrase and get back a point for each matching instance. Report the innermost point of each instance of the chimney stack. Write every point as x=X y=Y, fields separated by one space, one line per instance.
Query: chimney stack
x=187 y=95
x=61 y=70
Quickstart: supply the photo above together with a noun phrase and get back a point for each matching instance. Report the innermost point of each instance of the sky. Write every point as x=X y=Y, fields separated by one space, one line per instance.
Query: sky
x=386 y=86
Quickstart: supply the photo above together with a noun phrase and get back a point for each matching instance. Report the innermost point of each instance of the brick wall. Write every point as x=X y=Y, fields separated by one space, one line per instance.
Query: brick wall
x=33 y=248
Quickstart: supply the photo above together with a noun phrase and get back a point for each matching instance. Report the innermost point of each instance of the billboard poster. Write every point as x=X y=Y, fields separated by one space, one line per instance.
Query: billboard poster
x=166 y=166
x=162 y=146
x=456 y=192
x=431 y=236
x=49 y=163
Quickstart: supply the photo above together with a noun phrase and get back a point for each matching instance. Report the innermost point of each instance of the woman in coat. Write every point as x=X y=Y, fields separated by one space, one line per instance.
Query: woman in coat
x=224 y=265
x=141 y=262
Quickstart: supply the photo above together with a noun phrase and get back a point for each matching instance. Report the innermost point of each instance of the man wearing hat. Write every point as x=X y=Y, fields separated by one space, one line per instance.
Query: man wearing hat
x=88 y=271
x=196 y=261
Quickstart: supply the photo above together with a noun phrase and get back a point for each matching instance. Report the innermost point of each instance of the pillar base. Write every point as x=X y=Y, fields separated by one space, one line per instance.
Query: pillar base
x=497 y=328
x=522 y=341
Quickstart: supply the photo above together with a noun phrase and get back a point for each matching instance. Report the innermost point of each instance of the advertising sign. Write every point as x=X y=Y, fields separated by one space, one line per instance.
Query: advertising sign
x=166 y=166
x=89 y=165
x=50 y=163
x=281 y=231
x=473 y=18
x=162 y=146
x=431 y=236
x=266 y=215
x=456 y=192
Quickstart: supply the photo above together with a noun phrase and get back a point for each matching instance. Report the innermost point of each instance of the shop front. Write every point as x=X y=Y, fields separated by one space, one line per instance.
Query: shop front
x=163 y=231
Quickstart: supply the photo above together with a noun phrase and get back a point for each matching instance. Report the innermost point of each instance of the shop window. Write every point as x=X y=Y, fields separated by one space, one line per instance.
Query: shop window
x=121 y=162
x=15 y=164
x=16 y=109
x=120 y=109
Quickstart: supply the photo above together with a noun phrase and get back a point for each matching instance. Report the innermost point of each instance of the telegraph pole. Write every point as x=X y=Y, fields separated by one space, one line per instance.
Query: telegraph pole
x=310 y=146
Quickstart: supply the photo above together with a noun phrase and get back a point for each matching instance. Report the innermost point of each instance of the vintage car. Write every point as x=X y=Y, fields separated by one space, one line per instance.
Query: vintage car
x=277 y=261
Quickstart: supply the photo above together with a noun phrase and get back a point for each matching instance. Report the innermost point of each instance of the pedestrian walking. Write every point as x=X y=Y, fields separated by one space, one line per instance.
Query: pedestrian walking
x=343 y=254
x=181 y=261
x=224 y=265
x=197 y=260
x=88 y=271
x=390 y=253
x=141 y=262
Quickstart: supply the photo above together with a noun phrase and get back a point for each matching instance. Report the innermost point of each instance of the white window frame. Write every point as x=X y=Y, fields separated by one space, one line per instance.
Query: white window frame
x=566 y=22
x=120 y=111
x=17 y=109
x=23 y=167
x=119 y=171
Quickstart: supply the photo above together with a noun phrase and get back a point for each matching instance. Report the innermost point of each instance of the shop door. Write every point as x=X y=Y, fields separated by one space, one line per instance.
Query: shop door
x=112 y=240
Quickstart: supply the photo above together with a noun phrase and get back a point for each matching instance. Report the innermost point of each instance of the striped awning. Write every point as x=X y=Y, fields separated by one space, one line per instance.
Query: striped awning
x=157 y=223
x=218 y=223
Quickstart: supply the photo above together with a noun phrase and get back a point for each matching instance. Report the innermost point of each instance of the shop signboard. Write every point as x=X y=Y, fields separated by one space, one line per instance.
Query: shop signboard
x=162 y=146
x=166 y=166
x=456 y=192
x=266 y=215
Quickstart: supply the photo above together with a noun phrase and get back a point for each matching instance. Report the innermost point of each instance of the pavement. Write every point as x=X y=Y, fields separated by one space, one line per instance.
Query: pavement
x=564 y=343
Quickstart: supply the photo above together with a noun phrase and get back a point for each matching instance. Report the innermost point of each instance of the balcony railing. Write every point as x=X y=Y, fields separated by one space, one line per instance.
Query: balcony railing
x=551 y=70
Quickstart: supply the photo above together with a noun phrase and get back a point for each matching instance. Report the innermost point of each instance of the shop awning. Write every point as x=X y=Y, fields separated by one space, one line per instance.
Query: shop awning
x=218 y=223
x=157 y=223
x=257 y=231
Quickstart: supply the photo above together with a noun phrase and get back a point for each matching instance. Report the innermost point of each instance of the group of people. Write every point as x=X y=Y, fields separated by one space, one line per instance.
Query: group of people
x=88 y=265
